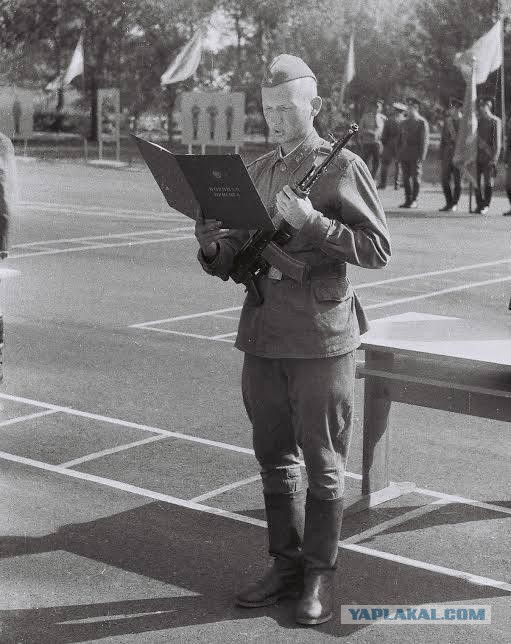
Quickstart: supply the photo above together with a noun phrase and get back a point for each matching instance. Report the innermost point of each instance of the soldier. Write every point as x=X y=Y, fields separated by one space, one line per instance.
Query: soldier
x=489 y=134
x=299 y=344
x=412 y=152
x=7 y=189
x=370 y=132
x=508 y=173
x=391 y=138
x=447 y=148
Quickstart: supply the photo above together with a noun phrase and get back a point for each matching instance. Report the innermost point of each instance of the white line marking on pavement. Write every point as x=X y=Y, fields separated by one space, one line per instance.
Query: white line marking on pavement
x=98 y=209
x=392 y=523
x=424 y=565
x=424 y=296
x=112 y=450
x=227 y=446
x=225 y=488
x=160 y=231
x=227 y=317
x=186 y=317
x=188 y=335
x=126 y=487
x=444 y=271
x=452 y=498
x=124 y=423
x=358 y=286
x=58 y=251
x=20 y=419
x=222 y=336
x=191 y=505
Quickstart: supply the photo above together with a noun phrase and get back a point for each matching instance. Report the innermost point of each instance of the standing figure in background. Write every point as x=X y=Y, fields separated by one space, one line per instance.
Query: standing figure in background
x=17 y=111
x=489 y=135
x=447 y=148
x=412 y=152
x=7 y=189
x=369 y=135
x=391 y=139
x=507 y=159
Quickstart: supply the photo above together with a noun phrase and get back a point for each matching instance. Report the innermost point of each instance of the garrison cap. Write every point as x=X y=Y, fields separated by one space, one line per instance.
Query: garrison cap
x=285 y=68
x=400 y=107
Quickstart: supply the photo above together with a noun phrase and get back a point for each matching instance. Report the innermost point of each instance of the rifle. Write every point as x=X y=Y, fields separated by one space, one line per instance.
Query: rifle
x=248 y=262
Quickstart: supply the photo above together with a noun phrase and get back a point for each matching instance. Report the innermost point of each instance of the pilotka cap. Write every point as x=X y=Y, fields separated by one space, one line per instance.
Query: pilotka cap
x=285 y=68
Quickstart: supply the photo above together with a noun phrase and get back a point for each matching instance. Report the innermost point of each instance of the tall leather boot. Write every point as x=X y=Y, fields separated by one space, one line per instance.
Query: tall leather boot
x=323 y=519
x=285 y=514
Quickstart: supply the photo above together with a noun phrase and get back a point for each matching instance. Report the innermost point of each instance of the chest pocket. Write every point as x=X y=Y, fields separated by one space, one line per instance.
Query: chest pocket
x=333 y=289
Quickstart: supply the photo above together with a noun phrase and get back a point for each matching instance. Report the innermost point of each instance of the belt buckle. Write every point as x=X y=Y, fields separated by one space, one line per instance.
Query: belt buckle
x=274 y=274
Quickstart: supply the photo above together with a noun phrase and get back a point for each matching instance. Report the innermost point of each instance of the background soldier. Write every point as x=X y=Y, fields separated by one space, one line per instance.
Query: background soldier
x=299 y=344
x=7 y=189
x=413 y=150
x=489 y=136
x=391 y=139
x=369 y=135
x=447 y=148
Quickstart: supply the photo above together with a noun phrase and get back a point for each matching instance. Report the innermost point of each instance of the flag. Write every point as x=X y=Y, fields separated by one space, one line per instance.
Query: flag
x=465 y=153
x=74 y=69
x=76 y=65
x=185 y=63
x=349 y=69
x=488 y=54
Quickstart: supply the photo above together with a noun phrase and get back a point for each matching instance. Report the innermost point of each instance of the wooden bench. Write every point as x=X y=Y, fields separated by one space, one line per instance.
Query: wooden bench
x=432 y=361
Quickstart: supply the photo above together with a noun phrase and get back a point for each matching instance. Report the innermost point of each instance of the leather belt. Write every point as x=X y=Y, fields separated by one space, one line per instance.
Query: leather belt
x=314 y=272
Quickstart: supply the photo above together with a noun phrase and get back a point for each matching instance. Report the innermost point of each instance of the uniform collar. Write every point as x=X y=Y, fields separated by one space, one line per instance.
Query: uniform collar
x=296 y=157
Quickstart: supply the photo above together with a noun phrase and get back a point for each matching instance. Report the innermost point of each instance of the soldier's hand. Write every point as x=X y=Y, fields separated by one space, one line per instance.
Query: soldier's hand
x=295 y=210
x=208 y=233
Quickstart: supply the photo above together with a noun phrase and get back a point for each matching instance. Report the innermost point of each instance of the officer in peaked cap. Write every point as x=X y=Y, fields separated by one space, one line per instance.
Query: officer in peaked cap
x=370 y=134
x=299 y=343
x=489 y=141
x=451 y=172
x=391 y=139
x=412 y=152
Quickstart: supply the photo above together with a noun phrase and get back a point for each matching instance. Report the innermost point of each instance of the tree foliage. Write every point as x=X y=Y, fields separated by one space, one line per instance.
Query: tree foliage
x=401 y=46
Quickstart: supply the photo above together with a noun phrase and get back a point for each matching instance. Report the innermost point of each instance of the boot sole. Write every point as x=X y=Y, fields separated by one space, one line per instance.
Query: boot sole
x=314 y=621
x=270 y=601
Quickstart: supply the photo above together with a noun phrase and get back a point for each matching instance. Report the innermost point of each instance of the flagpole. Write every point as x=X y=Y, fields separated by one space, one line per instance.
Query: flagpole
x=502 y=84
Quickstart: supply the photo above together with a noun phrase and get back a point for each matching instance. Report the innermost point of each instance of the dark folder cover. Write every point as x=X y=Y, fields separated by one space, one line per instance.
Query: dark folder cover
x=214 y=186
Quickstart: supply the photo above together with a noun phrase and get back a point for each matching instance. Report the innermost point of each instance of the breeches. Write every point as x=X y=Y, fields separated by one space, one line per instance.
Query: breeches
x=296 y=403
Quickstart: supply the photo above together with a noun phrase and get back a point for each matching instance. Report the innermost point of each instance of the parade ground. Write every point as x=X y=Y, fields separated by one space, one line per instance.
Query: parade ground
x=131 y=504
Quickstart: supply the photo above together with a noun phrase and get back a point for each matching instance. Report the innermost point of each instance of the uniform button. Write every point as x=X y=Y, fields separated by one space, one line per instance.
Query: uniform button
x=283 y=167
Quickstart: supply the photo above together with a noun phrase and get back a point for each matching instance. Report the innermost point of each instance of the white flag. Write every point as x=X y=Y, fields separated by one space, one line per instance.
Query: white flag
x=349 y=69
x=76 y=65
x=185 y=63
x=488 y=54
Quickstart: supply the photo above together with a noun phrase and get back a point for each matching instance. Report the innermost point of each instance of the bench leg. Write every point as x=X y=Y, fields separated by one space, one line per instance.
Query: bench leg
x=375 y=463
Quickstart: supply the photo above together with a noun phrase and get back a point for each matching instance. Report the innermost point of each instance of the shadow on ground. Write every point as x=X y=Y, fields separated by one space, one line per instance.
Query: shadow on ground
x=203 y=554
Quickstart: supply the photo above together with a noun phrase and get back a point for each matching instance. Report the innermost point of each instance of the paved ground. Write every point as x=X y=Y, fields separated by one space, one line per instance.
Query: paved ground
x=133 y=508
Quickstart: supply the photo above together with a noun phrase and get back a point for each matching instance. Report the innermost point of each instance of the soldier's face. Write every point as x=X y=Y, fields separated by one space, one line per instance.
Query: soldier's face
x=289 y=110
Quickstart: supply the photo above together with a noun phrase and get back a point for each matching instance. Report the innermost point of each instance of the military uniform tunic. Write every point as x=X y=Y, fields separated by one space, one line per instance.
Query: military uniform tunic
x=316 y=319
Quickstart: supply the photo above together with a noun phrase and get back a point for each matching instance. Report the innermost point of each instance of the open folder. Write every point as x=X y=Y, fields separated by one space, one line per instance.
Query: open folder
x=211 y=187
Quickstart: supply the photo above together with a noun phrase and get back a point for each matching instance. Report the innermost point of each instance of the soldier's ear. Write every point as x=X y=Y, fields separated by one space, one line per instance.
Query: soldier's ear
x=316 y=104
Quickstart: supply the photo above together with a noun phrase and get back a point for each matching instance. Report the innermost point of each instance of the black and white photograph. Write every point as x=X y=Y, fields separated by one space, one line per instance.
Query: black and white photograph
x=255 y=321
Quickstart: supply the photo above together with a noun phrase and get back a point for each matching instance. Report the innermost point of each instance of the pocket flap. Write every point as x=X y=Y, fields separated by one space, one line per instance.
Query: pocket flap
x=332 y=289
